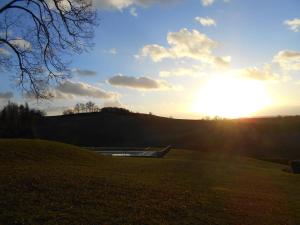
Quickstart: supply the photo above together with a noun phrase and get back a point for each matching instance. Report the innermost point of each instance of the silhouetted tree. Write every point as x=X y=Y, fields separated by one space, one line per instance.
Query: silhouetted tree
x=82 y=107
x=77 y=108
x=38 y=36
x=115 y=110
x=90 y=106
x=18 y=121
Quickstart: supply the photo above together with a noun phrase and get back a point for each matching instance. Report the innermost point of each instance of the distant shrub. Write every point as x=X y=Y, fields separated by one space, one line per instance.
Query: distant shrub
x=115 y=110
x=295 y=165
x=276 y=160
x=68 y=112
x=287 y=170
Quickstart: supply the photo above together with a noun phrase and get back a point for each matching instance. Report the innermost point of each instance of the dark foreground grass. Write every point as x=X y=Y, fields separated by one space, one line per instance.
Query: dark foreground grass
x=50 y=183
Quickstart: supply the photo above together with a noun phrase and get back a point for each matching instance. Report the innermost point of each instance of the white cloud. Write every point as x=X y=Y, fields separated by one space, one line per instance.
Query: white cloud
x=112 y=51
x=69 y=88
x=113 y=4
x=56 y=94
x=122 y=4
x=21 y=43
x=192 y=71
x=207 y=2
x=186 y=44
x=266 y=73
x=222 y=62
x=63 y=4
x=206 y=21
x=210 y=2
x=133 y=12
x=82 y=72
x=293 y=24
x=155 y=52
x=140 y=83
x=115 y=103
x=288 y=60
x=53 y=93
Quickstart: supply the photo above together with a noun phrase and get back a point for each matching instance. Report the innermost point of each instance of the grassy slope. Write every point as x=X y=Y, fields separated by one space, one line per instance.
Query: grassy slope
x=51 y=183
x=264 y=138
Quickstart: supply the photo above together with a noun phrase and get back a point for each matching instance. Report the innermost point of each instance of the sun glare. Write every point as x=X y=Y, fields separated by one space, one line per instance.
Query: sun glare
x=231 y=97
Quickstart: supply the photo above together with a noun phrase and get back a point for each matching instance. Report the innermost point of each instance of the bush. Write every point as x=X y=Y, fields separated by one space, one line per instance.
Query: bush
x=115 y=110
x=295 y=165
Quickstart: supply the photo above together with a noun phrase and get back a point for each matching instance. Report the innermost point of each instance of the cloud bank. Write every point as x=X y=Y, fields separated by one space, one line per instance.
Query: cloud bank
x=288 y=60
x=140 y=83
x=191 y=71
x=265 y=73
x=84 y=73
x=122 y=4
x=115 y=103
x=82 y=89
x=6 y=95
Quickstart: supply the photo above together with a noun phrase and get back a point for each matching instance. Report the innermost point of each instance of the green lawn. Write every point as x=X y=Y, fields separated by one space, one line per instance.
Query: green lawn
x=50 y=183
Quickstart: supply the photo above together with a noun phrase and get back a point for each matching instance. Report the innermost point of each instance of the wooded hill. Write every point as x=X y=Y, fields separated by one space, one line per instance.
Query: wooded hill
x=260 y=137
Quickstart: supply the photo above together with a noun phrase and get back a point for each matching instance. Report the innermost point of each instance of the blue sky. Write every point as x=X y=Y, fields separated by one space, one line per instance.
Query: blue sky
x=250 y=33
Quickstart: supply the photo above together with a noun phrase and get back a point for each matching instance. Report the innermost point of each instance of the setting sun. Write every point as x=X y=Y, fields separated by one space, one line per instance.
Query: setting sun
x=230 y=97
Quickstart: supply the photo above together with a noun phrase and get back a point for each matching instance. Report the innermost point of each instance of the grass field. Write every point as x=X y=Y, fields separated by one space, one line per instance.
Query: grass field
x=50 y=183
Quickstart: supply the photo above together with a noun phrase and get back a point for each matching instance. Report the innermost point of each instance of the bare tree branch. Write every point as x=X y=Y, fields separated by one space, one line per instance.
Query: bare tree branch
x=38 y=38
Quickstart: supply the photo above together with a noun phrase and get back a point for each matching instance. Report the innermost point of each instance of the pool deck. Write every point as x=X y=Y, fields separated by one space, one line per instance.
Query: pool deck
x=131 y=152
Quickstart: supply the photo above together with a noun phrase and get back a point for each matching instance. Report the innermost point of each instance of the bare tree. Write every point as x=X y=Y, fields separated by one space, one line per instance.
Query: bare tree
x=82 y=107
x=96 y=108
x=77 y=108
x=90 y=106
x=38 y=38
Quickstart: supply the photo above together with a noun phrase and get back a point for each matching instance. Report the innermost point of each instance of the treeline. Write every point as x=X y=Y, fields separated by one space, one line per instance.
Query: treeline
x=91 y=107
x=82 y=108
x=19 y=121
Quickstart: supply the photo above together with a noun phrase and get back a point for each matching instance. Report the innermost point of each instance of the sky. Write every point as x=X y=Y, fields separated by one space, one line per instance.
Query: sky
x=186 y=59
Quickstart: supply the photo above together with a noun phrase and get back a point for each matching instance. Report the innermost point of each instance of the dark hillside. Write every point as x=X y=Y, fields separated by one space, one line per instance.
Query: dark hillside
x=264 y=137
x=113 y=129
